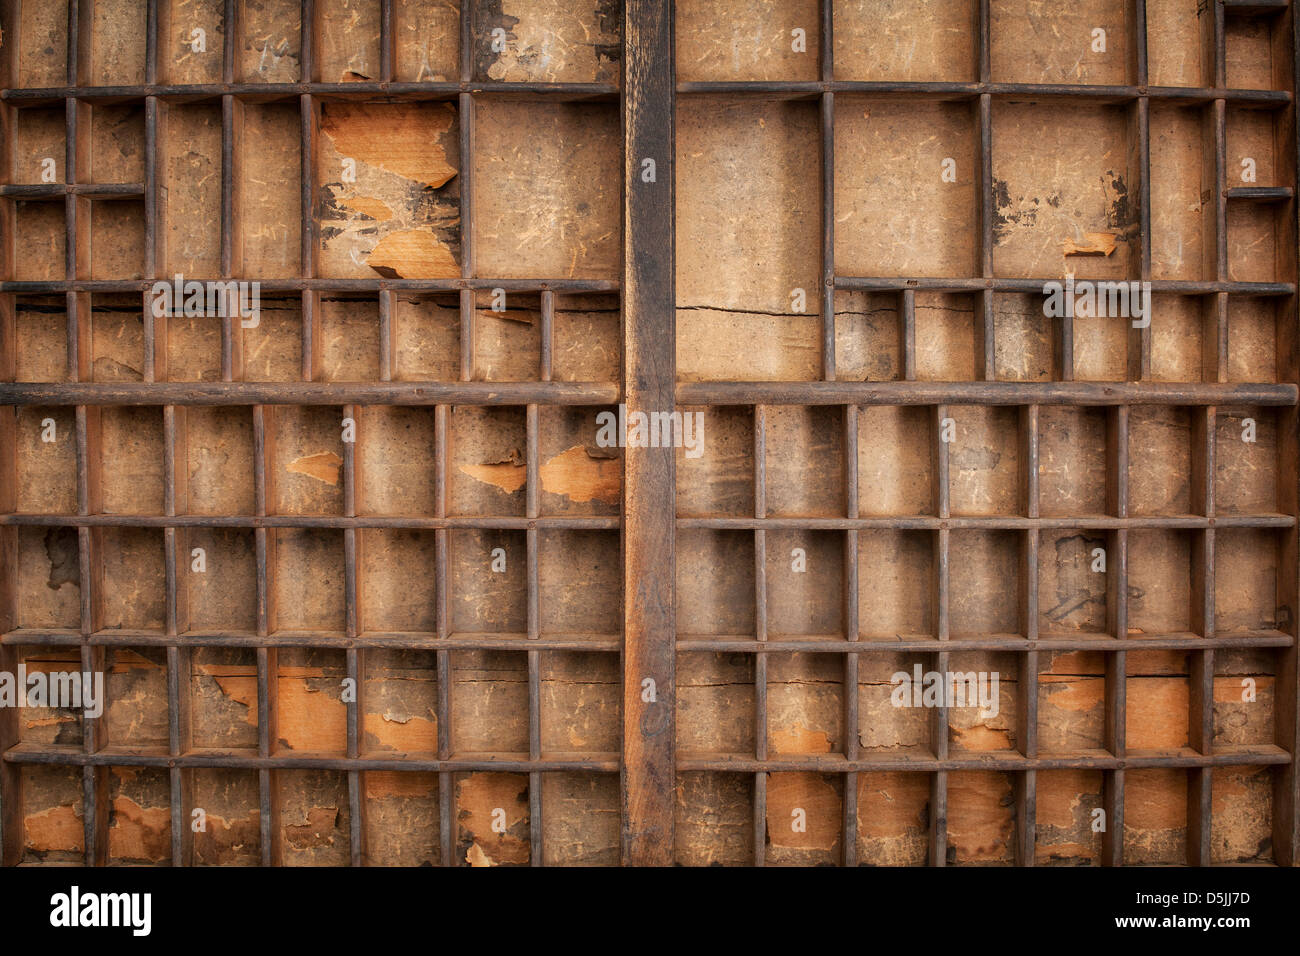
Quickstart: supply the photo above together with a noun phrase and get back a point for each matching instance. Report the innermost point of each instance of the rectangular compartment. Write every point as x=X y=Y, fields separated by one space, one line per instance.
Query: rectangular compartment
x=548 y=41
x=269 y=194
x=311 y=715
x=909 y=40
x=488 y=575
x=222 y=688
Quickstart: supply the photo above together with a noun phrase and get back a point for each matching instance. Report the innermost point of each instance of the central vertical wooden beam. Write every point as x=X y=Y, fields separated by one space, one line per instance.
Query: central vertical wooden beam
x=649 y=373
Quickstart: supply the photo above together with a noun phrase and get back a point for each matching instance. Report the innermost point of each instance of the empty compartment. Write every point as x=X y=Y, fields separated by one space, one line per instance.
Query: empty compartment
x=45 y=459
x=587 y=344
x=892 y=722
x=396 y=461
x=116 y=54
x=192 y=35
x=895 y=460
x=805 y=461
x=42 y=55
x=136 y=689
x=305 y=460
x=216 y=448
x=1072 y=703
x=401 y=819
x=314 y=817
x=981 y=691
x=427 y=44
x=400 y=706
x=487 y=470
x=1246 y=461
x=1024 y=338
x=949 y=330
x=398 y=588
x=1245 y=698
x=39 y=146
x=41 y=331
x=48 y=578
x=218 y=568
x=53 y=815
x=1037 y=41
x=269 y=211
x=489 y=702
x=40 y=231
x=1247 y=562
x=715 y=702
x=1101 y=346
x=580 y=700
x=1066 y=807
x=1182 y=215
x=739 y=40
x=231 y=802
x=1062 y=191
x=307 y=579
x=581 y=473
x=984 y=583
x=905 y=178
x=908 y=40
x=1159 y=583
x=1180 y=43
x=493 y=827
x=426 y=337
x=805 y=704
x=311 y=715
x=271 y=350
x=715 y=582
x=131 y=453
x=507 y=336
x=759 y=279
x=348 y=327
x=548 y=42
x=347 y=32
x=981 y=818
x=1241 y=811
x=805 y=814
x=62 y=721
x=387 y=178
x=1072 y=464
x=1254 y=347
x=116 y=338
x=1257 y=242
x=1181 y=326
x=139 y=816
x=191 y=346
x=868 y=337
x=714 y=819
x=579 y=581
x=984 y=460
x=116 y=238
x=805 y=575
x=893 y=818
x=1258 y=51
x=572 y=228
x=1074 y=568
x=488 y=582
x=223 y=697
x=1155 y=817
x=190 y=170
x=272 y=42
x=581 y=824
x=1160 y=461
x=131 y=567
x=721 y=482
x=895 y=585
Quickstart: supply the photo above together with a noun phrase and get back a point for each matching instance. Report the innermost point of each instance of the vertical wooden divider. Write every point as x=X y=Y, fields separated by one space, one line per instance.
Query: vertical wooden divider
x=648 y=776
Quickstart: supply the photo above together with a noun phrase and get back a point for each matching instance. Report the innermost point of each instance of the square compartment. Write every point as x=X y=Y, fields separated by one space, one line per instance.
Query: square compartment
x=1246 y=477
x=984 y=460
x=42 y=54
x=896 y=585
x=893 y=818
x=190 y=347
x=271 y=38
x=1072 y=597
x=222 y=688
x=714 y=819
x=1073 y=469
x=402 y=814
x=1179 y=43
x=715 y=702
x=1253 y=343
x=715 y=582
x=398 y=589
x=305 y=466
x=1063 y=177
x=39 y=146
x=116 y=53
x=1181 y=326
x=984 y=583
x=179 y=61
x=1160 y=461
x=983 y=717
x=116 y=338
x=905 y=40
x=139 y=816
x=805 y=704
x=868 y=337
x=507 y=336
x=1258 y=51
x=483 y=800
x=314 y=817
x=721 y=482
x=587 y=338
x=307 y=584
x=117 y=138
x=581 y=703
x=581 y=823
x=1247 y=563
x=426 y=337
x=41 y=338
x=1240 y=830
x=51 y=726
x=981 y=818
x=311 y=715
x=48 y=577
x=1155 y=817
x=895 y=460
x=348 y=32
x=1024 y=339
x=400 y=705
x=488 y=582
x=896 y=211
x=397 y=470
x=579 y=582
x=805 y=575
x=40 y=231
x=1065 y=803
x=805 y=461
x=1159 y=582
x=949 y=329
x=426 y=47
x=487 y=469
x=1245 y=698
x=735 y=40
x=223 y=595
x=387 y=178
x=1072 y=703
x=215 y=449
x=53 y=814
x=135 y=686
x=231 y=799
x=489 y=702
x=348 y=327
x=271 y=351
x=888 y=723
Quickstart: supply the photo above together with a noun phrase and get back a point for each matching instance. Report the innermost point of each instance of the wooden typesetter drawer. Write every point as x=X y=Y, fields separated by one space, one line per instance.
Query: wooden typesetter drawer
x=971 y=326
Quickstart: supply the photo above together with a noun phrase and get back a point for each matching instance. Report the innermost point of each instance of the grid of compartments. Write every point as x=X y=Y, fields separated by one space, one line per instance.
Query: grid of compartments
x=351 y=566
x=912 y=469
